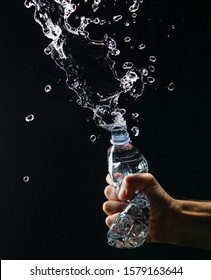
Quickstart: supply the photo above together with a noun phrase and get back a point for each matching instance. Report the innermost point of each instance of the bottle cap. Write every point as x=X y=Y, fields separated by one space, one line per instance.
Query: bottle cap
x=119 y=136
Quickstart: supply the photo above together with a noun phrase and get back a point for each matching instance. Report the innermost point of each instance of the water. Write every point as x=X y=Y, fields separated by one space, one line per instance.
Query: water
x=26 y=179
x=135 y=115
x=135 y=130
x=171 y=86
x=131 y=227
x=152 y=58
x=81 y=47
x=29 y=118
x=93 y=138
x=48 y=88
x=141 y=46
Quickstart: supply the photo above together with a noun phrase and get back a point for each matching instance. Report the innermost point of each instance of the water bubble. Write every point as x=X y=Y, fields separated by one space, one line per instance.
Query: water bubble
x=127 y=65
x=48 y=88
x=151 y=68
x=134 y=15
x=26 y=179
x=150 y=79
x=135 y=115
x=93 y=138
x=171 y=86
x=29 y=118
x=117 y=17
x=173 y=26
x=141 y=46
x=135 y=130
x=102 y=22
x=127 y=39
x=152 y=58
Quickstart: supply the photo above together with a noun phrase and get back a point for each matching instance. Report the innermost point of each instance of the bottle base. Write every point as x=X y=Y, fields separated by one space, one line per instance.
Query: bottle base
x=127 y=233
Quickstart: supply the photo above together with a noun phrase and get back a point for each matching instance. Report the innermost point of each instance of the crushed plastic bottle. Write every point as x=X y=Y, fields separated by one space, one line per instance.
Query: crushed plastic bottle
x=131 y=227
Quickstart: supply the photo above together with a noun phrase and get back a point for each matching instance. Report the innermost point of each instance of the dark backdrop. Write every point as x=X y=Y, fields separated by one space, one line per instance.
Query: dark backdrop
x=58 y=213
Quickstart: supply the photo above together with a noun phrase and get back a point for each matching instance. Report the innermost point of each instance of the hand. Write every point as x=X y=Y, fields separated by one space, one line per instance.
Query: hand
x=163 y=208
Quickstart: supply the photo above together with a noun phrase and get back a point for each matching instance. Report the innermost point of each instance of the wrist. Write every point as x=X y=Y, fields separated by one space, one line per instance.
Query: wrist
x=191 y=224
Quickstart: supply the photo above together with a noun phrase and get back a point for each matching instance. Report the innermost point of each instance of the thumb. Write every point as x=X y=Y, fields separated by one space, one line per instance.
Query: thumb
x=145 y=182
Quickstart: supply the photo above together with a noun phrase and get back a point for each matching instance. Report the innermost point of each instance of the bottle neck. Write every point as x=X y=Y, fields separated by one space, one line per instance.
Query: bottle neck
x=120 y=136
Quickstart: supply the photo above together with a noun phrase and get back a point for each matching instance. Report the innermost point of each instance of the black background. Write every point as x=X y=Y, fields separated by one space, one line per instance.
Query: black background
x=58 y=213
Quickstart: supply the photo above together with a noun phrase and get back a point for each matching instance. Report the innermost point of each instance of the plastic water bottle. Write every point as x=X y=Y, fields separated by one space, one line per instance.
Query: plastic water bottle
x=131 y=227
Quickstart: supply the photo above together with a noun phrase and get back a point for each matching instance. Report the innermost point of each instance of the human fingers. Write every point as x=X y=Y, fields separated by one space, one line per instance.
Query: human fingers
x=145 y=182
x=108 y=179
x=111 y=207
x=110 y=193
x=110 y=219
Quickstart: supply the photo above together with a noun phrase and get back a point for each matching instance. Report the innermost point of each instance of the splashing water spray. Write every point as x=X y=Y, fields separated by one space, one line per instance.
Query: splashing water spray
x=91 y=73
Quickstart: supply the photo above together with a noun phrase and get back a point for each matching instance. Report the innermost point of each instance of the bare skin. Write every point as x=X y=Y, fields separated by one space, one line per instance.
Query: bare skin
x=173 y=221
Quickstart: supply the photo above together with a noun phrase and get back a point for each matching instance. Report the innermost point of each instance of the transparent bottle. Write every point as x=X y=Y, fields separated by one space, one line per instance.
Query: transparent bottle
x=131 y=227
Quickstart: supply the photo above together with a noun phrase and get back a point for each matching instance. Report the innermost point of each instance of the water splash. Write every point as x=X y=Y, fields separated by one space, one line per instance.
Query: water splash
x=89 y=63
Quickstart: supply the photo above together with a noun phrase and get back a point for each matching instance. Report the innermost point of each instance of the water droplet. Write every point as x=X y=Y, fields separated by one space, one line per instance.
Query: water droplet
x=102 y=22
x=145 y=72
x=126 y=23
x=173 y=26
x=29 y=118
x=135 y=130
x=135 y=115
x=26 y=179
x=152 y=58
x=48 y=88
x=150 y=79
x=127 y=39
x=133 y=8
x=171 y=86
x=141 y=46
x=93 y=138
x=151 y=68
x=127 y=65
x=117 y=18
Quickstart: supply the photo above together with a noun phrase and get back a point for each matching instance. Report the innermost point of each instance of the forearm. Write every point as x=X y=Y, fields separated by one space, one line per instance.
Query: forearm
x=192 y=225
